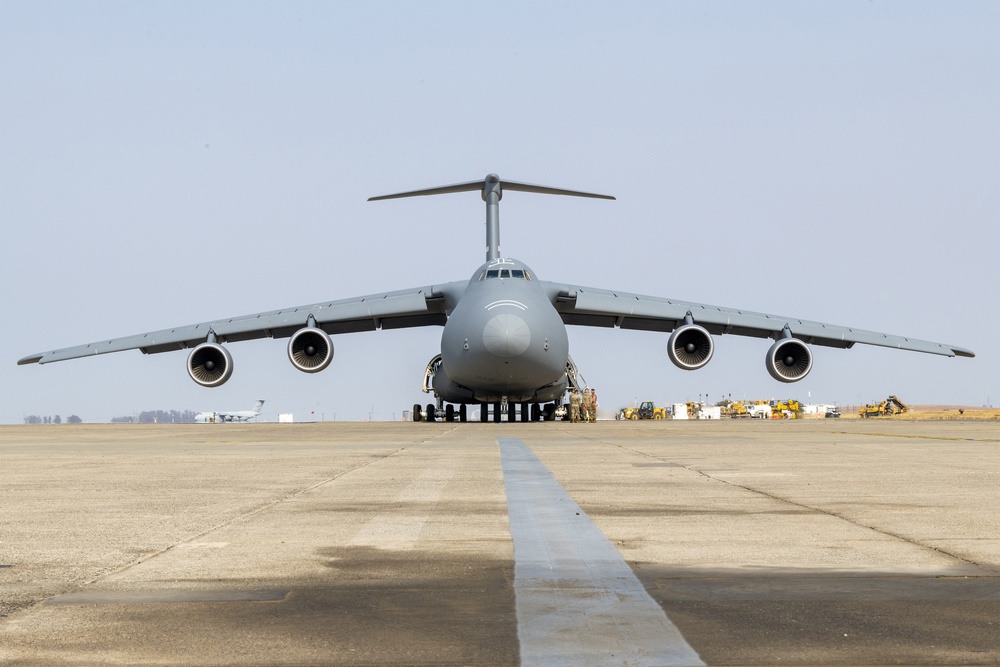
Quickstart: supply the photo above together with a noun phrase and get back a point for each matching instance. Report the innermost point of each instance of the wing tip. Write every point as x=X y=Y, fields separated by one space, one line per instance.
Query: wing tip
x=32 y=359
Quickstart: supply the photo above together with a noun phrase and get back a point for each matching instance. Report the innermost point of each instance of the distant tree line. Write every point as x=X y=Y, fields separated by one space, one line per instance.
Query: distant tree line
x=145 y=417
x=158 y=417
x=36 y=419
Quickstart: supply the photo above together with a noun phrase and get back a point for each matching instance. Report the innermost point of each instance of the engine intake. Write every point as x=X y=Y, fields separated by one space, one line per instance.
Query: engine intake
x=690 y=347
x=210 y=365
x=310 y=350
x=789 y=360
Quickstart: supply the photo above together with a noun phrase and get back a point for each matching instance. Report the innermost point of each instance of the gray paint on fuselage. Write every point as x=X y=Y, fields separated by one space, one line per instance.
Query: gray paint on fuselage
x=505 y=339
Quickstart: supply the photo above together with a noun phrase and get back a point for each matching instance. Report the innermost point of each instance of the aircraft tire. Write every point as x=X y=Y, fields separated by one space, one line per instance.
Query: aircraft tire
x=463 y=415
x=484 y=412
x=431 y=413
x=496 y=413
x=525 y=412
x=416 y=412
x=449 y=413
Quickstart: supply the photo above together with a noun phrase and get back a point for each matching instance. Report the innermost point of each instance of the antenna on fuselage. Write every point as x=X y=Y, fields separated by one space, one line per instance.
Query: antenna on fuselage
x=492 y=189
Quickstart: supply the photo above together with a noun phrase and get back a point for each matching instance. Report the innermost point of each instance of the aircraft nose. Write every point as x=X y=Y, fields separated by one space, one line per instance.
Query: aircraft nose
x=506 y=335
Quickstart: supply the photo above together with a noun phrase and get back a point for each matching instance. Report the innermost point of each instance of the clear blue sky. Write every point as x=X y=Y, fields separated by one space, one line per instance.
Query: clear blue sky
x=166 y=163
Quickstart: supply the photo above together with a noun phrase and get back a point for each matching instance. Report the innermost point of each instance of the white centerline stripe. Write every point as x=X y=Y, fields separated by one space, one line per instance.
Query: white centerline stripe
x=578 y=603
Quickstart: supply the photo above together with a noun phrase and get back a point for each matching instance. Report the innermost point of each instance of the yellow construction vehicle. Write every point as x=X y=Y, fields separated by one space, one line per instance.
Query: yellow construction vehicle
x=646 y=410
x=872 y=410
x=890 y=406
x=737 y=410
x=790 y=409
x=895 y=406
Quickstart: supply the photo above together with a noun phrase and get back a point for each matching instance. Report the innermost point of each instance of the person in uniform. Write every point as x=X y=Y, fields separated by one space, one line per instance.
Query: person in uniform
x=574 y=406
x=588 y=405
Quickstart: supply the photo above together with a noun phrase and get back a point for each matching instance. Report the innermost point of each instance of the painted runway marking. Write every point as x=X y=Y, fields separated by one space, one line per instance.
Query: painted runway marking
x=578 y=602
x=399 y=531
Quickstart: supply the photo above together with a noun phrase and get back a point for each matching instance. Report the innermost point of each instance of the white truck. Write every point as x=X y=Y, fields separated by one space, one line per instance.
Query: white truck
x=759 y=411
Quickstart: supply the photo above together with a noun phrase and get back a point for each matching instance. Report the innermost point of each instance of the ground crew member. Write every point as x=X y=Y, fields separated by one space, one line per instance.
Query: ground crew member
x=574 y=406
x=588 y=405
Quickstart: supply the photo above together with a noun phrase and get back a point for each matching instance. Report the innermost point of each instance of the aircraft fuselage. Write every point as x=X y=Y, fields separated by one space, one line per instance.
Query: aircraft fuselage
x=504 y=340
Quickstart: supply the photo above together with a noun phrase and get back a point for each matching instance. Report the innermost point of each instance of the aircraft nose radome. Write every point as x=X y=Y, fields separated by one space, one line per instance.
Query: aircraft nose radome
x=506 y=335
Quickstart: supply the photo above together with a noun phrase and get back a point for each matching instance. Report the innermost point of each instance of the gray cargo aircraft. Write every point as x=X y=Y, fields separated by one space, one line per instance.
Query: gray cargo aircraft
x=227 y=417
x=504 y=339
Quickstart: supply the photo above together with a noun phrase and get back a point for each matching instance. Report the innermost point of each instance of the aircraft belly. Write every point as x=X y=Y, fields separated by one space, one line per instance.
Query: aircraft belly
x=451 y=392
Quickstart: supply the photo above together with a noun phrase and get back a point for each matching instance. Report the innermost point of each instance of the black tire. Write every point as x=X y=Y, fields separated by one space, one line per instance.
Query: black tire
x=462 y=413
x=449 y=413
x=431 y=412
x=416 y=413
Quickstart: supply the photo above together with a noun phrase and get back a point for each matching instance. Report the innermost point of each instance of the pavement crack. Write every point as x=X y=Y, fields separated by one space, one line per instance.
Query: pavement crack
x=252 y=511
x=820 y=510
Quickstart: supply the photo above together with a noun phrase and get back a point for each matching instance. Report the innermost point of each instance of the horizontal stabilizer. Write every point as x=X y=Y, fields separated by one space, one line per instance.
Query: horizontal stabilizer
x=490 y=183
x=491 y=189
x=544 y=190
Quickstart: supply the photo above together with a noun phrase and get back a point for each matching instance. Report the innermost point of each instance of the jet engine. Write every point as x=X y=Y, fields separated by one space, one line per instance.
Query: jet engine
x=210 y=365
x=310 y=350
x=690 y=347
x=789 y=360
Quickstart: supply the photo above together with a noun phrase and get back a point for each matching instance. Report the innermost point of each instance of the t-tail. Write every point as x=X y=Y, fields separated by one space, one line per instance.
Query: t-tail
x=258 y=405
x=492 y=189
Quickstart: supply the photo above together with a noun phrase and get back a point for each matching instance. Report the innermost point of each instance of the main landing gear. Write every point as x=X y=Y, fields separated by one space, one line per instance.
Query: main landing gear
x=523 y=412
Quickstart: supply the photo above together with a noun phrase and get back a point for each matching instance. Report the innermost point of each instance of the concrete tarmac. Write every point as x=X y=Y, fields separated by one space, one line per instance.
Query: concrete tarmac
x=763 y=543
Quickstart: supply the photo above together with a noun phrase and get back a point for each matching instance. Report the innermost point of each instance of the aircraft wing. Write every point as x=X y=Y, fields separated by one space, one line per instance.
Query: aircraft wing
x=416 y=307
x=606 y=308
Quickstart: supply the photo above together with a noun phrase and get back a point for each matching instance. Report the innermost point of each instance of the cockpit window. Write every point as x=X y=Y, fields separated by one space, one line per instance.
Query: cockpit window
x=520 y=274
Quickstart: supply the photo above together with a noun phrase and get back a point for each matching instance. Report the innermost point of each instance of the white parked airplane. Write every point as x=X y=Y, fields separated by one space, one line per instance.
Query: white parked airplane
x=219 y=417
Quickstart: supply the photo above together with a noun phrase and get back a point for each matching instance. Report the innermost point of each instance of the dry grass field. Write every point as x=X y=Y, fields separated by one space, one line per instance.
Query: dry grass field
x=932 y=412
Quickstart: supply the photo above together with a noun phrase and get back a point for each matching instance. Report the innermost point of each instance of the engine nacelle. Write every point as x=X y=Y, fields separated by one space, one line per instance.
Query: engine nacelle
x=210 y=365
x=789 y=360
x=310 y=350
x=690 y=347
